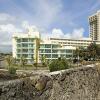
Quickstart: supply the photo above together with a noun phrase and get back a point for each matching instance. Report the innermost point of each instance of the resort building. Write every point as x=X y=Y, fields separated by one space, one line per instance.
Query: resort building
x=24 y=45
x=94 y=26
x=32 y=47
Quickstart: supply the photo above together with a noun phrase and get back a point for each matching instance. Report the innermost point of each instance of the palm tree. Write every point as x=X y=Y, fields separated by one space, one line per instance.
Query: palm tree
x=23 y=61
x=36 y=56
x=9 y=60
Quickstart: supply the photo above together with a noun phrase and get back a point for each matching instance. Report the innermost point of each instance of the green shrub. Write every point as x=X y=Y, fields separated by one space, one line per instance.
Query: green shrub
x=58 y=64
x=12 y=70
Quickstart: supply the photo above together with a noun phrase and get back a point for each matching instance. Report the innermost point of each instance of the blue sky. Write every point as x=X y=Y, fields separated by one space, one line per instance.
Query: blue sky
x=64 y=17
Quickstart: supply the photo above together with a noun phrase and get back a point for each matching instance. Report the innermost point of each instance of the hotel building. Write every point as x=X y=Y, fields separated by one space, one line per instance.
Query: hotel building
x=94 y=26
x=24 y=45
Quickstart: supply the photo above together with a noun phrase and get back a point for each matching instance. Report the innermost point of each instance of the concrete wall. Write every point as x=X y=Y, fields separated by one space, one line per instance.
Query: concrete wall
x=72 y=84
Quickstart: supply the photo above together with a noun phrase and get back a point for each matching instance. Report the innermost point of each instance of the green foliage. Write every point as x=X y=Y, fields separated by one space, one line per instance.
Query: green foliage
x=23 y=61
x=58 y=64
x=9 y=60
x=92 y=52
x=35 y=64
x=12 y=70
x=44 y=61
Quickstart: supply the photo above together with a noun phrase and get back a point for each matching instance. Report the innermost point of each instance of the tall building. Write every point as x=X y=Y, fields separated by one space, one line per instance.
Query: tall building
x=94 y=26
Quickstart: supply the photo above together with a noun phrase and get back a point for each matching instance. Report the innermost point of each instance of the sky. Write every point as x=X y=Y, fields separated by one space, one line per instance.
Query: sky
x=53 y=18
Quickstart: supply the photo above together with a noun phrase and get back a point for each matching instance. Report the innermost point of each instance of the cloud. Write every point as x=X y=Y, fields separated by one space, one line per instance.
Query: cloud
x=58 y=33
x=10 y=28
x=6 y=17
x=45 y=14
x=77 y=33
x=8 y=25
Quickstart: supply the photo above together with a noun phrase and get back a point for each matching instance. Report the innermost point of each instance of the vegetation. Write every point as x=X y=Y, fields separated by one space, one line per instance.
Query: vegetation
x=58 y=64
x=44 y=61
x=11 y=61
x=36 y=51
x=91 y=53
x=12 y=70
x=23 y=62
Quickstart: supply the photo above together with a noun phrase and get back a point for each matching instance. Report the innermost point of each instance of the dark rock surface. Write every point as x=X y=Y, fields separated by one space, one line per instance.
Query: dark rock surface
x=72 y=84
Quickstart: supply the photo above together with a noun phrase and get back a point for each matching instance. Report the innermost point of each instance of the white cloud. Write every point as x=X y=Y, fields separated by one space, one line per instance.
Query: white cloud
x=4 y=17
x=26 y=25
x=77 y=33
x=10 y=28
x=58 y=33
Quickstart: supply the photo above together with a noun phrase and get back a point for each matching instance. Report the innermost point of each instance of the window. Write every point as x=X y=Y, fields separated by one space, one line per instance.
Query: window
x=68 y=51
x=47 y=45
x=18 y=40
x=24 y=40
x=54 y=51
x=68 y=56
x=31 y=40
x=18 y=50
x=48 y=56
x=48 y=51
x=54 y=56
x=55 y=46
x=42 y=46
x=42 y=51
x=18 y=45
x=24 y=45
x=31 y=51
x=31 y=45
x=24 y=50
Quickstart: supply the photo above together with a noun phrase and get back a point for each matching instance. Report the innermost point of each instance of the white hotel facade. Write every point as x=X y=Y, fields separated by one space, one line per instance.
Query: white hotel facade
x=24 y=45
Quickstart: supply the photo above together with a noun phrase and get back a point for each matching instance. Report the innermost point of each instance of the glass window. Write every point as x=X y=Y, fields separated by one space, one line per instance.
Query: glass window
x=63 y=51
x=42 y=51
x=47 y=45
x=68 y=56
x=31 y=45
x=68 y=51
x=62 y=55
x=48 y=51
x=54 y=56
x=54 y=51
x=18 y=45
x=25 y=55
x=48 y=56
x=31 y=40
x=18 y=50
x=18 y=40
x=42 y=46
x=18 y=55
x=24 y=45
x=24 y=50
x=55 y=46
x=24 y=40
x=31 y=51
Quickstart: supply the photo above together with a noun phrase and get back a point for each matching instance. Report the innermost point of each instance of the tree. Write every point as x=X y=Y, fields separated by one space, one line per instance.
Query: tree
x=9 y=60
x=23 y=61
x=37 y=41
x=58 y=64
x=43 y=60
x=92 y=50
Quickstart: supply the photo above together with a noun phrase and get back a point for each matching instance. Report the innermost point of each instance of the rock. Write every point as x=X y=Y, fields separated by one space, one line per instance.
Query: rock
x=72 y=84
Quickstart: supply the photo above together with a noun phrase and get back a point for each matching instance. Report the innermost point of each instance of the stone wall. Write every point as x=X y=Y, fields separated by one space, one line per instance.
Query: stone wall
x=72 y=84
